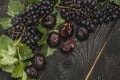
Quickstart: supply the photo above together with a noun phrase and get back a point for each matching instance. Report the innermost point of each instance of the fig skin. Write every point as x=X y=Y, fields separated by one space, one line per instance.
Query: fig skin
x=54 y=39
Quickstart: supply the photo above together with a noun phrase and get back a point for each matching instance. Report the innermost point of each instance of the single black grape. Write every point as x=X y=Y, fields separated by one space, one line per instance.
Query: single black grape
x=54 y=39
x=49 y=21
x=39 y=61
x=31 y=71
x=82 y=33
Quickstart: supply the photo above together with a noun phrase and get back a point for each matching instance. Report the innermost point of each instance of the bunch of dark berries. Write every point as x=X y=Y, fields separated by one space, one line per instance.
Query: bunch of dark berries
x=38 y=63
x=88 y=13
x=27 y=35
x=24 y=25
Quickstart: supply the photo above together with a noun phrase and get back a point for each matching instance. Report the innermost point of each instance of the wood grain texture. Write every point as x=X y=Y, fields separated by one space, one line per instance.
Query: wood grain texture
x=75 y=66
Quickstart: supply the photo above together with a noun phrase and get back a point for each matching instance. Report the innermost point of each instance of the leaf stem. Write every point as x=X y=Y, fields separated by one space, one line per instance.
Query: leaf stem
x=17 y=42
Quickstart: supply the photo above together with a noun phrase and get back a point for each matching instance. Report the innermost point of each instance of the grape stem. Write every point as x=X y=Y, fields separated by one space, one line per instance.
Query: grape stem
x=18 y=41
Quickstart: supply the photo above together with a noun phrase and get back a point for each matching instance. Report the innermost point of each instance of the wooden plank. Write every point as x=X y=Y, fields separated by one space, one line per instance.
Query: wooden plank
x=75 y=65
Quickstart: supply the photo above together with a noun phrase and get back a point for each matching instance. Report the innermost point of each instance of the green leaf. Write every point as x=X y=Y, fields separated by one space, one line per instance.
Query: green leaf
x=18 y=70
x=8 y=60
x=7 y=68
x=59 y=1
x=47 y=51
x=14 y=7
x=5 y=41
x=43 y=40
x=50 y=51
x=59 y=21
x=33 y=1
x=12 y=56
x=30 y=2
x=24 y=76
x=116 y=1
x=44 y=49
x=5 y=22
x=42 y=29
x=25 y=52
x=9 y=51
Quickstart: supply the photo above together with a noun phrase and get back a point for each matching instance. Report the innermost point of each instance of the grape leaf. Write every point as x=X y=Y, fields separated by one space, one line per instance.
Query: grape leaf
x=14 y=7
x=7 y=51
x=12 y=55
x=42 y=29
x=33 y=1
x=25 y=52
x=50 y=51
x=59 y=21
x=24 y=76
x=8 y=60
x=7 y=68
x=18 y=70
x=5 y=22
x=59 y=1
x=116 y=1
x=5 y=41
x=30 y=2
x=43 y=40
x=47 y=51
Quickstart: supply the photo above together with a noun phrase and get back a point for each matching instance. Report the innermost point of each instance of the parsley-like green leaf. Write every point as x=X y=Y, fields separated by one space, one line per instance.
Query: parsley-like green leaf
x=14 y=7
x=5 y=22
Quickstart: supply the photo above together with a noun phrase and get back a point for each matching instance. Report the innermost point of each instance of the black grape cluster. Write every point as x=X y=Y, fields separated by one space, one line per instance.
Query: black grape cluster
x=111 y=12
x=25 y=24
x=32 y=15
x=81 y=12
x=88 y=13
x=28 y=35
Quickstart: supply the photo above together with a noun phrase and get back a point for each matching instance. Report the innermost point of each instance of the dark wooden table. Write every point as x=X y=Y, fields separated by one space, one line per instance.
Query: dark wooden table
x=76 y=65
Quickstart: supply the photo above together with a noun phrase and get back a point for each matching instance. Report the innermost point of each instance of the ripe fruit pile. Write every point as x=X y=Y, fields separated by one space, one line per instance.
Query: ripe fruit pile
x=62 y=38
x=25 y=24
x=81 y=18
